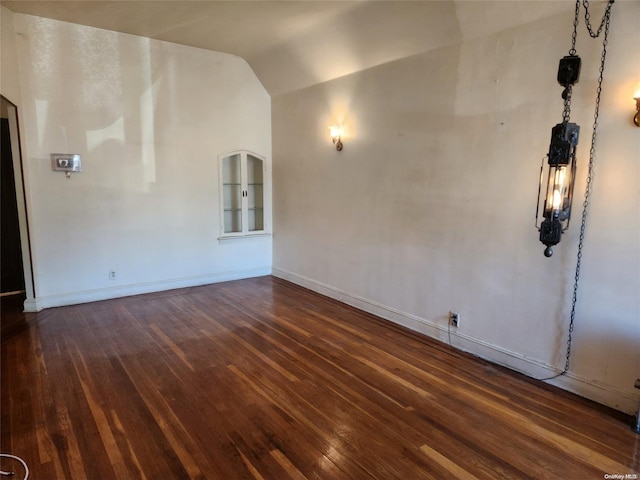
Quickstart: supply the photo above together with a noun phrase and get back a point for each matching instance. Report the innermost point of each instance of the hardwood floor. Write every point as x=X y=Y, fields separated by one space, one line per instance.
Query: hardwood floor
x=261 y=379
x=12 y=319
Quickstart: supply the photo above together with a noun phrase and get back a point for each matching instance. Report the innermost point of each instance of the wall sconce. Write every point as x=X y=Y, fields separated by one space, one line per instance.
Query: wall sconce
x=336 y=134
x=636 y=117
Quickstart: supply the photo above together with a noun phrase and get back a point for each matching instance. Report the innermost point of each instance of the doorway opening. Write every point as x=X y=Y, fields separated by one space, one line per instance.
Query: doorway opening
x=16 y=278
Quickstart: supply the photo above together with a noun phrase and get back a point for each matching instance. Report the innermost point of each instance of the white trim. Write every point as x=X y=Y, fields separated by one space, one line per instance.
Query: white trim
x=72 y=298
x=625 y=401
x=10 y=294
x=243 y=238
x=19 y=175
x=30 y=305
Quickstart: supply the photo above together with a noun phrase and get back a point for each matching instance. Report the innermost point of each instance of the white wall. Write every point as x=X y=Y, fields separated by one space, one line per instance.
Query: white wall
x=430 y=206
x=149 y=119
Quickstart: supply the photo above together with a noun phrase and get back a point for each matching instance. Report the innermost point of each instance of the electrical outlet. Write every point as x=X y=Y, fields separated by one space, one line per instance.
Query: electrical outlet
x=112 y=274
x=454 y=319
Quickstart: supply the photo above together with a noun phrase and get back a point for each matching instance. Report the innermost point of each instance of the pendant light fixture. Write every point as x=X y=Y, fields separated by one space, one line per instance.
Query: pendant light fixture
x=556 y=187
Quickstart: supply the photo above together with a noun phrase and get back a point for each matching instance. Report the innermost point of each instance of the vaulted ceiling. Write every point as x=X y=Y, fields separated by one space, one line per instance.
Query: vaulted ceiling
x=293 y=44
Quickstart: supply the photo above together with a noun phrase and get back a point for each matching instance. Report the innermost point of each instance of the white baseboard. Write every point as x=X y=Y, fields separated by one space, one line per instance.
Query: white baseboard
x=30 y=305
x=73 y=298
x=625 y=401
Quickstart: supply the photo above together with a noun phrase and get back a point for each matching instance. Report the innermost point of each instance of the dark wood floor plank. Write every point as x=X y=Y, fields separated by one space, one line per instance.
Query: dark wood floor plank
x=262 y=379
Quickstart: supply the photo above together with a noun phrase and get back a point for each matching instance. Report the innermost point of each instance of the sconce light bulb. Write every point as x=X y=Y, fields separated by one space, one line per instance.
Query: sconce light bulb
x=336 y=133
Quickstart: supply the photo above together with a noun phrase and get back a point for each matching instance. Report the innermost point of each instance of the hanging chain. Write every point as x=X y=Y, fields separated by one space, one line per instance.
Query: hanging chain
x=566 y=94
x=587 y=194
x=603 y=22
x=566 y=110
x=592 y=154
x=574 y=35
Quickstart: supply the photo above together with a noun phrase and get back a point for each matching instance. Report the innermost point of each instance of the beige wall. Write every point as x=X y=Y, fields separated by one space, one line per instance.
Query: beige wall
x=149 y=119
x=430 y=206
x=9 y=80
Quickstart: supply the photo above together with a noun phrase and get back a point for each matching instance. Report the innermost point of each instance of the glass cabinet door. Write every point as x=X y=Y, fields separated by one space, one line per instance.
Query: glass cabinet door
x=232 y=194
x=255 y=194
x=242 y=177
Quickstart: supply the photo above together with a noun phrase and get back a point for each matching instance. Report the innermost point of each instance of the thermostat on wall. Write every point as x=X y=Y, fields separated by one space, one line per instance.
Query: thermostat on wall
x=66 y=162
